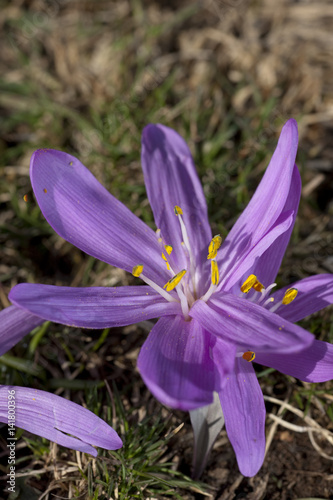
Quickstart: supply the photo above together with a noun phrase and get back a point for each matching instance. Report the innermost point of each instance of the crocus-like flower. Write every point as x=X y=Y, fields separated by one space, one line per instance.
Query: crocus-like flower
x=42 y=413
x=217 y=313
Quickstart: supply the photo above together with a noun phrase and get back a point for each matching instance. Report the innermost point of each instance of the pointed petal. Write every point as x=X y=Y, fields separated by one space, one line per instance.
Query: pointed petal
x=175 y=364
x=313 y=364
x=52 y=417
x=268 y=265
x=93 y=307
x=15 y=324
x=207 y=423
x=248 y=325
x=244 y=412
x=314 y=293
x=84 y=213
x=266 y=205
x=253 y=257
x=171 y=179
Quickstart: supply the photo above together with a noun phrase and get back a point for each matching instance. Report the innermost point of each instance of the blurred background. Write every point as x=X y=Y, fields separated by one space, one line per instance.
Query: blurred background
x=85 y=76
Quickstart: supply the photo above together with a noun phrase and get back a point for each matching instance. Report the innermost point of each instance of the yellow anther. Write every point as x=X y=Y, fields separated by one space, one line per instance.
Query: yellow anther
x=215 y=273
x=249 y=356
x=159 y=240
x=289 y=296
x=178 y=210
x=168 y=249
x=137 y=270
x=214 y=245
x=258 y=287
x=171 y=284
x=248 y=283
x=166 y=261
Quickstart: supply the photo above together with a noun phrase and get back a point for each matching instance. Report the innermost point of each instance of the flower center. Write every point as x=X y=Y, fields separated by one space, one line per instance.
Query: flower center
x=261 y=293
x=185 y=281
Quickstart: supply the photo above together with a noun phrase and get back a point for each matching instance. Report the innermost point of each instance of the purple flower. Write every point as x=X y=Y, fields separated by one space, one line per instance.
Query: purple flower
x=42 y=413
x=212 y=297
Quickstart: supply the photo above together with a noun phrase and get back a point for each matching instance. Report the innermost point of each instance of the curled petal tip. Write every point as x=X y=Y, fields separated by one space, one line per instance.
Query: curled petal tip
x=290 y=127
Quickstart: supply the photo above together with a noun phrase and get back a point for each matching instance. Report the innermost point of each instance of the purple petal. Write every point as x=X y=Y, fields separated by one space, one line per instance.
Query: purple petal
x=171 y=179
x=248 y=325
x=84 y=213
x=52 y=417
x=268 y=265
x=94 y=307
x=176 y=364
x=244 y=413
x=15 y=324
x=314 y=293
x=253 y=257
x=267 y=203
x=313 y=364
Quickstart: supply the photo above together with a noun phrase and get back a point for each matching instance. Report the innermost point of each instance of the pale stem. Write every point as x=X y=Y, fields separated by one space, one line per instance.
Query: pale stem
x=183 y=301
x=209 y=292
x=188 y=247
x=158 y=289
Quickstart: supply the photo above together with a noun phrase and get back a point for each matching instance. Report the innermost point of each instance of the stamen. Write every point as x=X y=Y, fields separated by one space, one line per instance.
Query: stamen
x=171 y=284
x=137 y=272
x=178 y=211
x=215 y=276
x=214 y=245
x=265 y=292
x=249 y=356
x=166 y=261
x=215 y=273
x=289 y=296
x=268 y=301
x=248 y=283
x=183 y=302
x=255 y=297
x=168 y=249
x=258 y=287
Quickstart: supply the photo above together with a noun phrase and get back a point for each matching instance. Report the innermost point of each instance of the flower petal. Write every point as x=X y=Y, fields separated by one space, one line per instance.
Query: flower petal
x=314 y=364
x=253 y=257
x=268 y=265
x=175 y=364
x=244 y=413
x=52 y=417
x=15 y=324
x=266 y=205
x=171 y=179
x=84 y=213
x=248 y=325
x=314 y=293
x=93 y=307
